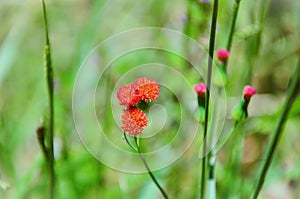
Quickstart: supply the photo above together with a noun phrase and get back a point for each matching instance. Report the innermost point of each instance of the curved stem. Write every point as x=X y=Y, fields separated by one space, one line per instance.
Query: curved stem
x=127 y=141
x=148 y=169
x=291 y=96
x=209 y=72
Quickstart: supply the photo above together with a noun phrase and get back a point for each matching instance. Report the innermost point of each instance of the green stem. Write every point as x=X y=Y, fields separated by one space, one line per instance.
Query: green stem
x=49 y=76
x=127 y=141
x=209 y=72
x=237 y=144
x=212 y=157
x=291 y=96
x=232 y=27
x=148 y=169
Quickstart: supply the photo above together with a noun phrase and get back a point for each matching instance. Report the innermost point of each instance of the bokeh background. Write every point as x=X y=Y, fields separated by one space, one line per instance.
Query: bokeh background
x=264 y=54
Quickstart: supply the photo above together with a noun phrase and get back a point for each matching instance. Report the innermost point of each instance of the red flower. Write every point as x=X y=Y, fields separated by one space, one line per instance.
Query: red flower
x=148 y=89
x=249 y=91
x=222 y=55
x=200 y=89
x=134 y=121
x=142 y=89
x=128 y=95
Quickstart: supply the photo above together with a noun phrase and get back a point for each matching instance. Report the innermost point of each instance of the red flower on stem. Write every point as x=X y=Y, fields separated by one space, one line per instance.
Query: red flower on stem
x=143 y=89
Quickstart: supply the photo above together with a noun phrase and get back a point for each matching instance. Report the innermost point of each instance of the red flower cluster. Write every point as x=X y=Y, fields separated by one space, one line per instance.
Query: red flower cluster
x=134 y=121
x=143 y=89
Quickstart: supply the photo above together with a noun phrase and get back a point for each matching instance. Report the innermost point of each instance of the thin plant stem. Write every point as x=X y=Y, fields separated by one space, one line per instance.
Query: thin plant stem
x=212 y=156
x=292 y=93
x=232 y=27
x=209 y=73
x=234 y=160
x=149 y=170
x=49 y=76
x=127 y=141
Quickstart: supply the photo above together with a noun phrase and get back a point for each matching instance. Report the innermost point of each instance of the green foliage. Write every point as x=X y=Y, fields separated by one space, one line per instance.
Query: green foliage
x=78 y=26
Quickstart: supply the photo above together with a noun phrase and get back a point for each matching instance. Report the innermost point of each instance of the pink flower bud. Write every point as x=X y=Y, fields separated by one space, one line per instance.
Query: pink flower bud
x=249 y=91
x=200 y=89
x=222 y=55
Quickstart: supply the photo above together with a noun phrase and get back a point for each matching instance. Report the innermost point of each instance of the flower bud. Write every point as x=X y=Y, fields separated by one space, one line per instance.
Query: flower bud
x=240 y=112
x=222 y=55
x=249 y=91
x=200 y=89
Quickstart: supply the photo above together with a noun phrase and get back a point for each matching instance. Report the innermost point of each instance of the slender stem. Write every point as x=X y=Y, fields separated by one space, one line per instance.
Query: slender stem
x=148 y=169
x=127 y=141
x=232 y=27
x=237 y=145
x=49 y=76
x=212 y=157
x=209 y=72
x=228 y=167
x=291 y=96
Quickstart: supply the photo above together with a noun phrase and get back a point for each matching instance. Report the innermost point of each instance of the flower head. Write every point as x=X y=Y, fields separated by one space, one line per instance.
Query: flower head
x=148 y=89
x=134 y=121
x=144 y=89
x=135 y=98
x=200 y=89
x=222 y=55
x=128 y=95
x=248 y=92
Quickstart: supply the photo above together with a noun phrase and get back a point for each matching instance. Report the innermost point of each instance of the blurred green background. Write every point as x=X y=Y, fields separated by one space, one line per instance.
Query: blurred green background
x=264 y=54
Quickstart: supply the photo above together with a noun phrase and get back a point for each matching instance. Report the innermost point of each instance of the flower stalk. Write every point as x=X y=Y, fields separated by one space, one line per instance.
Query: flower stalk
x=137 y=149
x=165 y=195
x=232 y=25
x=209 y=73
x=292 y=93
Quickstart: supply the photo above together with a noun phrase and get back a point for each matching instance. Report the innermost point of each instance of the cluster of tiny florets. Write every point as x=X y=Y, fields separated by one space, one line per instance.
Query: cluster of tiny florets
x=143 y=89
